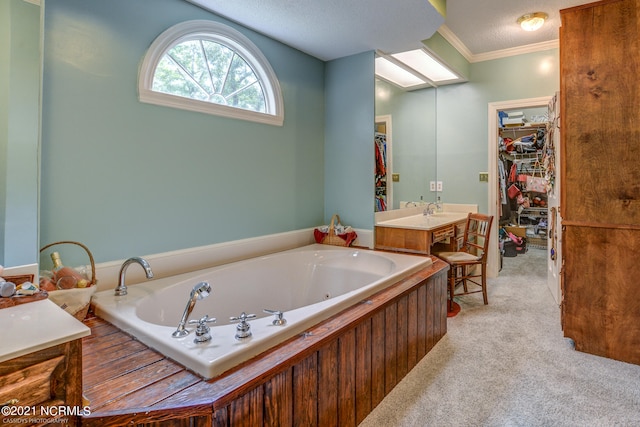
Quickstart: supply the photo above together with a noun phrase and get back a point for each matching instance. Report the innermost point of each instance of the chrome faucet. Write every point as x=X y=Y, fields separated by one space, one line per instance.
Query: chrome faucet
x=122 y=289
x=429 y=210
x=199 y=291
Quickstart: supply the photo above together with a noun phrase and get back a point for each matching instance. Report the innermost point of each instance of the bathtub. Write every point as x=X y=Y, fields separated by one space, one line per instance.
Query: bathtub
x=308 y=284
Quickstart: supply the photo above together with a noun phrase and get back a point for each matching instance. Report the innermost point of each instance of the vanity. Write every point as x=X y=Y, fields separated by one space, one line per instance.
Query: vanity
x=409 y=230
x=40 y=362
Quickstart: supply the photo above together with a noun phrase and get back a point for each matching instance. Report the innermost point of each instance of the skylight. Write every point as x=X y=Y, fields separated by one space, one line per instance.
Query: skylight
x=414 y=69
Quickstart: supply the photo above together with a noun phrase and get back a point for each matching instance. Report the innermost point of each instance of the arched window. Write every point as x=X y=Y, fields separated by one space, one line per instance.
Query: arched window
x=211 y=68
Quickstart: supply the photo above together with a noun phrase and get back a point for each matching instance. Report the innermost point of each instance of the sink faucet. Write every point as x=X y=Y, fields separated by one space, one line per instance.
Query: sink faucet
x=199 y=291
x=429 y=210
x=122 y=289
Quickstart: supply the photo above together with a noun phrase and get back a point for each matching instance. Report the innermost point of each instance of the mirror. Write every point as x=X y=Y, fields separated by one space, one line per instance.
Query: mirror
x=20 y=125
x=413 y=115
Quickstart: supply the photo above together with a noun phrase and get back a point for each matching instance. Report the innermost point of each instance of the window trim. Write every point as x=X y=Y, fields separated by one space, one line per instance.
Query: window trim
x=220 y=33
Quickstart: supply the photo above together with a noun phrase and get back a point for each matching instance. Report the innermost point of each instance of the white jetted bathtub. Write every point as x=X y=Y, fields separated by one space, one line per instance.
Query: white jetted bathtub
x=308 y=284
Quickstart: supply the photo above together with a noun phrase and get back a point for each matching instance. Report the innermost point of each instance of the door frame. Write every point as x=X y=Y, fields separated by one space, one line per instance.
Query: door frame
x=493 y=258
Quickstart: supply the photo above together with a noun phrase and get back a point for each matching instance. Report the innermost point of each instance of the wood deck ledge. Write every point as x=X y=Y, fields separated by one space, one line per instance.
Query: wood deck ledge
x=128 y=382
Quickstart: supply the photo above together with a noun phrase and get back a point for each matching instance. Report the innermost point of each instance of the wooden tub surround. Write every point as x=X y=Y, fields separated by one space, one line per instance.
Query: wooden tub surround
x=334 y=374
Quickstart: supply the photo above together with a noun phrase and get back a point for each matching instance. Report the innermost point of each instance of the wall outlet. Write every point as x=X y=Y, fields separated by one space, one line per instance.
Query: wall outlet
x=439 y=186
x=395 y=177
x=484 y=176
x=432 y=186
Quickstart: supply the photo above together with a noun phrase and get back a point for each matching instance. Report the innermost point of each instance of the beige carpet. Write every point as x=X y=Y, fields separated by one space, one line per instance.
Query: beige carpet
x=508 y=364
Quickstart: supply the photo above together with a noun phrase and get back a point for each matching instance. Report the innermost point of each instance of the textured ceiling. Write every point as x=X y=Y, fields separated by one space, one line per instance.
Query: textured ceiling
x=330 y=29
x=490 y=25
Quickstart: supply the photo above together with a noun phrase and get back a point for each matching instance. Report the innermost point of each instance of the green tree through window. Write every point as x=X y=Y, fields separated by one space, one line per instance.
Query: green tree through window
x=209 y=71
x=209 y=67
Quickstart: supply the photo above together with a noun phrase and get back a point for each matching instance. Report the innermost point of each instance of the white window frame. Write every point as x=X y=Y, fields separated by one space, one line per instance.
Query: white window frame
x=219 y=33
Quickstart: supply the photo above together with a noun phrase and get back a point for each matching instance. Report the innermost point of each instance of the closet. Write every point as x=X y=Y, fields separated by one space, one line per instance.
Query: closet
x=523 y=177
x=382 y=149
x=600 y=191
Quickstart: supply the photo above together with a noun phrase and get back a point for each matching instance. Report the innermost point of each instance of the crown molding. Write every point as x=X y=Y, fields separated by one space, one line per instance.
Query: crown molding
x=496 y=54
x=455 y=42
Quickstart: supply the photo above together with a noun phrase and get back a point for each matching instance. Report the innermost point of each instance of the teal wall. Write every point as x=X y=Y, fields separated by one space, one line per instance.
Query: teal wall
x=462 y=122
x=349 y=155
x=19 y=118
x=128 y=178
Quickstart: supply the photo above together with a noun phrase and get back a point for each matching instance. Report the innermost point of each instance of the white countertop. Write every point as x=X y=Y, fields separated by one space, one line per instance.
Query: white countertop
x=34 y=326
x=423 y=222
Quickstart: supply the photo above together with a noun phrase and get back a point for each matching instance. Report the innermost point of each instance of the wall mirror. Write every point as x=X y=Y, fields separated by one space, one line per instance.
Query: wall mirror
x=20 y=124
x=413 y=139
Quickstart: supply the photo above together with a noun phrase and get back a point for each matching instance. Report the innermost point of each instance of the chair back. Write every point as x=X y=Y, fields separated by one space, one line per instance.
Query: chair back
x=476 y=234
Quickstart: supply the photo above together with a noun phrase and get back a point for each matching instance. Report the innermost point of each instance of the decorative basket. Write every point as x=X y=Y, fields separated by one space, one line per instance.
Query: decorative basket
x=329 y=236
x=75 y=301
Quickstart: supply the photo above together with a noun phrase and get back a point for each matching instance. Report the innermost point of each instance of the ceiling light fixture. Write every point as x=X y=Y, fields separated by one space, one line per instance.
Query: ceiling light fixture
x=424 y=63
x=532 y=21
x=391 y=71
x=414 y=69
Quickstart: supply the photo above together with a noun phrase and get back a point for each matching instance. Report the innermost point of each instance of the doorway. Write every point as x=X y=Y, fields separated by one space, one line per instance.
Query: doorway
x=384 y=165
x=493 y=258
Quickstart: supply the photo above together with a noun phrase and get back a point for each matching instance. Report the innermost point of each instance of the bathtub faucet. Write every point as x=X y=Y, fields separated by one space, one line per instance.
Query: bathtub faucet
x=243 y=328
x=279 y=320
x=122 y=289
x=199 y=291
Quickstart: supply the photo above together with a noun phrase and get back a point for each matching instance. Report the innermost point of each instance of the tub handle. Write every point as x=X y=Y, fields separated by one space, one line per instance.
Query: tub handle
x=202 y=330
x=243 y=330
x=279 y=320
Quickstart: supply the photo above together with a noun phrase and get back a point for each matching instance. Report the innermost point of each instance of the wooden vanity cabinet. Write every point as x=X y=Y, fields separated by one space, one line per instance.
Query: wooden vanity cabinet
x=49 y=377
x=411 y=240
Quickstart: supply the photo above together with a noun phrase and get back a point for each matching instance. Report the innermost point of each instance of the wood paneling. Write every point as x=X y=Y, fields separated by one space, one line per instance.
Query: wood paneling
x=328 y=395
x=600 y=199
x=363 y=370
x=49 y=377
x=600 y=94
x=601 y=305
x=406 y=240
x=278 y=395
x=332 y=376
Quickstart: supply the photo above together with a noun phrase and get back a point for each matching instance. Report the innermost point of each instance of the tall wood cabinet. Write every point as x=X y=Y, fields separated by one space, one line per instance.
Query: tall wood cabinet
x=600 y=172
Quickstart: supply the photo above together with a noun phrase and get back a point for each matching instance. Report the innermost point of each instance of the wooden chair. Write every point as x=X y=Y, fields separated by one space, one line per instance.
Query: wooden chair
x=469 y=264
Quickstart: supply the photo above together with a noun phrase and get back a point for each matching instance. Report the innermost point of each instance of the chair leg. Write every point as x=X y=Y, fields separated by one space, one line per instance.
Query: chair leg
x=464 y=274
x=484 y=284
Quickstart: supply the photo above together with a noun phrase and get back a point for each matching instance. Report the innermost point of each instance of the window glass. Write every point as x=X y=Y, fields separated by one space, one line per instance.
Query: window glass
x=208 y=63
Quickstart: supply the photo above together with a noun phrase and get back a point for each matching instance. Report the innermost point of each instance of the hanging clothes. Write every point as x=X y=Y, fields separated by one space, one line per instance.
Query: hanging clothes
x=380 y=146
x=381 y=154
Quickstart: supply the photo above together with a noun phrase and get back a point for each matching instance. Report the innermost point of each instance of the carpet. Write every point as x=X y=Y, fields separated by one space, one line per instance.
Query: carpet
x=508 y=364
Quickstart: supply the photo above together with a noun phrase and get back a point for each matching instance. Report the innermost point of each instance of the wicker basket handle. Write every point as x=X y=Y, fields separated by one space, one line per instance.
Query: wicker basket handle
x=91 y=260
x=335 y=219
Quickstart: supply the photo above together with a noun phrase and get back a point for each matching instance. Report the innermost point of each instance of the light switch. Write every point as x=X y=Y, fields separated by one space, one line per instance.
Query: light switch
x=484 y=176
x=395 y=177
